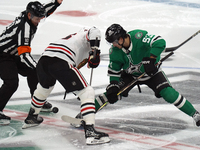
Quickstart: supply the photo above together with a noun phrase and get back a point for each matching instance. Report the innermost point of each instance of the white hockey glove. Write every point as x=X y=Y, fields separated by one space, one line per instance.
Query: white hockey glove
x=28 y=60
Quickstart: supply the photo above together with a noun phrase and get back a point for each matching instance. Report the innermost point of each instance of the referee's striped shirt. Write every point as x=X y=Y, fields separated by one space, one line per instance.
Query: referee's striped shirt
x=21 y=31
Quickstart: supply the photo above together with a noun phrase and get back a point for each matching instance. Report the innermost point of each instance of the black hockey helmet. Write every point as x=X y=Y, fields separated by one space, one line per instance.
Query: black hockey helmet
x=114 y=32
x=36 y=9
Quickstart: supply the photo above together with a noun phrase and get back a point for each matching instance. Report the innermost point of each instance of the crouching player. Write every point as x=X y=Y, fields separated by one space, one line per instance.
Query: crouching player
x=59 y=63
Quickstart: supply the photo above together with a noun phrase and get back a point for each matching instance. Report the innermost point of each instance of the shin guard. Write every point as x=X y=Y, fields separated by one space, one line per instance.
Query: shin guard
x=87 y=104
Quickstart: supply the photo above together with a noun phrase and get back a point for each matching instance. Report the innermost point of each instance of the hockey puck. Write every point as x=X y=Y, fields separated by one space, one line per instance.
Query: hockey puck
x=55 y=109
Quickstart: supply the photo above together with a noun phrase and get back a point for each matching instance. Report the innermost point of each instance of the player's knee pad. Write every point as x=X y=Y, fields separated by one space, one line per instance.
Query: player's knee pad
x=158 y=83
x=169 y=94
x=42 y=93
x=87 y=94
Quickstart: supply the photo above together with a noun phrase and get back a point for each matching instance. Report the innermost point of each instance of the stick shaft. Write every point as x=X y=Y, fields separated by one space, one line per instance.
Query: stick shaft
x=176 y=47
x=94 y=55
x=134 y=81
x=91 y=76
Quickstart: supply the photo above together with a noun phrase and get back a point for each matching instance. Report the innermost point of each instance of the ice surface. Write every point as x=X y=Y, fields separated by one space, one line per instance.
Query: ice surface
x=139 y=122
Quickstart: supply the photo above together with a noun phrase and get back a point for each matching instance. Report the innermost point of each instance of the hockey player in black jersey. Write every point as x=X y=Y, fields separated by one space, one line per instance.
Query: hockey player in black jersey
x=59 y=62
x=15 y=57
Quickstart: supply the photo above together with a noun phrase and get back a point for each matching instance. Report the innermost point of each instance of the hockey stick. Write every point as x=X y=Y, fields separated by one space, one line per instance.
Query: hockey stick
x=134 y=81
x=170 y=49
x=91 y=76
x=71 y=119
x=94 y=55
x=79 y=121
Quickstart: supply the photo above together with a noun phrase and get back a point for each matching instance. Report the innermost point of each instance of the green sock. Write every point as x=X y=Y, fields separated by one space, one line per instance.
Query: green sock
x=172 y=96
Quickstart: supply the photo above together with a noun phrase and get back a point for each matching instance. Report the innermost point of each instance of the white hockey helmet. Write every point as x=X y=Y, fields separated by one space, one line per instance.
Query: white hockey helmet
x=94 y=35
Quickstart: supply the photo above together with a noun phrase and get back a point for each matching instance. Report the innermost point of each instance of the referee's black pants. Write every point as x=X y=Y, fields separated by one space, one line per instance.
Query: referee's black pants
x=10 y=67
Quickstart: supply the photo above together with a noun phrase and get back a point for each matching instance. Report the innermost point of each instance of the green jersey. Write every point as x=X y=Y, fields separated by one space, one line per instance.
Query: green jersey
x=142 y=45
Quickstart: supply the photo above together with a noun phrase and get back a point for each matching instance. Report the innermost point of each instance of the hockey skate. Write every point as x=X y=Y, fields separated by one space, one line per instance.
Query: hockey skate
x=47 y=107
x=79 y=116
x=32 y=120
x=4 y=120
x=94 y=137
x=196 y=118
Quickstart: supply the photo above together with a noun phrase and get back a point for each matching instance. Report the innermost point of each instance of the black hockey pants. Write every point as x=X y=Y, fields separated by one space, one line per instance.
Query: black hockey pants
x=10 y=67
x=52 y=69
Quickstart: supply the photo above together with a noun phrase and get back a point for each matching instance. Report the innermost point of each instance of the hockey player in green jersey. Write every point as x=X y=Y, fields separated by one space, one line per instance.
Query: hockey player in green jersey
x=131 y=54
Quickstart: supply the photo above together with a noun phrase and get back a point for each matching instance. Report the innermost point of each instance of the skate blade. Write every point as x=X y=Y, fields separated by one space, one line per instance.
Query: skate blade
x=25 y=126
x=4 y=122
x=93 y=141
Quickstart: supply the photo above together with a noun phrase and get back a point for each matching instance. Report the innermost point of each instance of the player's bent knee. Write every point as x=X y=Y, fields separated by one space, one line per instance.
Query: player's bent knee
x=42 y=93
x=87 y=93
x=169 y=94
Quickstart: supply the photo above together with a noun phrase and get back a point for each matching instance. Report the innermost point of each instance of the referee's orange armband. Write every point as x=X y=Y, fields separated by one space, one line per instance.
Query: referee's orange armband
x=23 y=49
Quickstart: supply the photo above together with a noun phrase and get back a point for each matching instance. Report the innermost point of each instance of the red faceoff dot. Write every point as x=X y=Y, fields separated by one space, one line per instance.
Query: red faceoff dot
x=5 y=22
x=76 y=13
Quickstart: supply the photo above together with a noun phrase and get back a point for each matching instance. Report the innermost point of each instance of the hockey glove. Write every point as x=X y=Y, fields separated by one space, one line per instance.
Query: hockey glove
x=93 y=61
x=149 y=66
x=124 y=81
x=111 y=92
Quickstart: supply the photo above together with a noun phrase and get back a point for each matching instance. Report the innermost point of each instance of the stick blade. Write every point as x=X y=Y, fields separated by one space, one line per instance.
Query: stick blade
x=71 y=120
x=170 y=49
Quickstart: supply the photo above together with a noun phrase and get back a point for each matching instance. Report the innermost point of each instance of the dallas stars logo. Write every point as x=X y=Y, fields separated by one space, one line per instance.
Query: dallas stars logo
x=138 y=35
x=134 y=68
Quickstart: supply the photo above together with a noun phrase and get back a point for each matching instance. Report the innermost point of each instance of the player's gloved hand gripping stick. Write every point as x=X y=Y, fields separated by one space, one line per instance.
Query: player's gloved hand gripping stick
x=94 y=58
x=133 y=82
x=78 y=121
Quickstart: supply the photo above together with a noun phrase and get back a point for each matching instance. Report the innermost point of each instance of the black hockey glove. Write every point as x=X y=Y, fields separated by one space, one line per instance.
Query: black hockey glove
x=111 y=92
x=124 y=81
x=149 y=66
x=93 y=61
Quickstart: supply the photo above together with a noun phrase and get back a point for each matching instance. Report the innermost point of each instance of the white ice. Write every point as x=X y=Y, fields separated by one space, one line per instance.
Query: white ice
x=174 y=20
